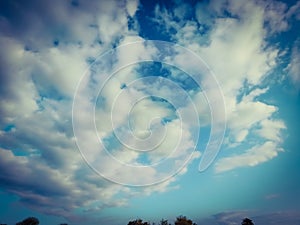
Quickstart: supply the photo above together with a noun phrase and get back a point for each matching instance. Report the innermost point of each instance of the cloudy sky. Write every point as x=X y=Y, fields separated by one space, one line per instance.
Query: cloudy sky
x=117 y=110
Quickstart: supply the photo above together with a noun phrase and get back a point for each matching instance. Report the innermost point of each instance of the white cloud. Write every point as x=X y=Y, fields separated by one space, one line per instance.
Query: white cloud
x=138 y=51
x=68 y=62
x=236 y=51
x=294 y=65
x=271 y=130
x=132 y=112
x=241 y=135
x=18 y=90
x=246 y=115
x=236 y=56
x=132 y=6
x=252 y=157
x=39 y=79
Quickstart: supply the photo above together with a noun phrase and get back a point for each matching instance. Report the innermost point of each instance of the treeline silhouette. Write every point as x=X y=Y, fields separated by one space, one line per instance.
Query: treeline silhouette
x=180 y=220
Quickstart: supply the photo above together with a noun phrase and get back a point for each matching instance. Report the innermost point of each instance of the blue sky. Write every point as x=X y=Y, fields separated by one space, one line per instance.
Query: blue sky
x=109 y=109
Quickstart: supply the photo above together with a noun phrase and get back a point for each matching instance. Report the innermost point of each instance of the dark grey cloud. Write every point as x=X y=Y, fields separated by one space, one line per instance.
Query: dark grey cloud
x=41 y=24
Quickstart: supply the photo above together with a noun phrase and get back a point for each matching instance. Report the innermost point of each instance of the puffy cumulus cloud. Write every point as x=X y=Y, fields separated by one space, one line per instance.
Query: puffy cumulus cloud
x=57 y=189
x=18 y=94
x=143 y=120
x=241 y=60
x=244 y=118
x=41 y=24
x=46 y=53
x=235 y=56
x=47 y=48
x=235 y=48
x=67 y=61
x=42 y=148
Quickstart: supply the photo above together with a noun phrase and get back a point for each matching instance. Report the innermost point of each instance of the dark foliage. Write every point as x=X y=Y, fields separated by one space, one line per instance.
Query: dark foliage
x=29 y=221
x=138 y=222
x=182 y=220
x=164 y=222
x=247 y=221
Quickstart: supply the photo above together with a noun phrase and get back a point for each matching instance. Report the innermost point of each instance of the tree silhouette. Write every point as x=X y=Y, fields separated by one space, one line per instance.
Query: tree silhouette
x=29 y=221
x=247 y=221
x=164 y=222
x=182 y=220
x=138 y=222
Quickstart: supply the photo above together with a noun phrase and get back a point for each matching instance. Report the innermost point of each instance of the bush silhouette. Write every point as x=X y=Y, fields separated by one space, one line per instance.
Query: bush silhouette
x=29 y=221
x=247 y=221
x=138 y=222
x=182 y=220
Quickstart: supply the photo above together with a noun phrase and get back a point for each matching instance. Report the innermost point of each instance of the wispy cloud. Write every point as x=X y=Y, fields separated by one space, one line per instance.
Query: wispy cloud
x=252 y=157
x=294 y=65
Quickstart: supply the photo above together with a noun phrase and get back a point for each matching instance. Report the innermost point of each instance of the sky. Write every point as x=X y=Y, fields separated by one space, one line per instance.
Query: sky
x=117 y=110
